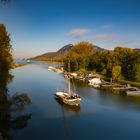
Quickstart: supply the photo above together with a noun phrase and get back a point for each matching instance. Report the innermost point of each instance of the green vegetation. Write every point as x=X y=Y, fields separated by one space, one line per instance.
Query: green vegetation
x=79 y=56
x=6 y=59
x=137 y=84
x=119 y=64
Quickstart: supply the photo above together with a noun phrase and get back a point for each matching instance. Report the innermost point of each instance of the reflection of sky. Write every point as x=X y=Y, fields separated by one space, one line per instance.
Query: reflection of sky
x=47 y=25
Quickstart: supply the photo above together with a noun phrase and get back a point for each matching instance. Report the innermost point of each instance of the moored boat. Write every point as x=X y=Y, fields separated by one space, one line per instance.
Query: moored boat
x=73 y=100
x=67 y=97
x=96 y=82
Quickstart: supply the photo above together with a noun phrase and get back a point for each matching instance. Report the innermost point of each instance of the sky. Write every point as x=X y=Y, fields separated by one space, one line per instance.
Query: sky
x=40 y=26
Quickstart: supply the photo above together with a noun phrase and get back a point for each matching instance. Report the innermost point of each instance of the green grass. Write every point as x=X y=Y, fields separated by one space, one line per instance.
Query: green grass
x=130 y=82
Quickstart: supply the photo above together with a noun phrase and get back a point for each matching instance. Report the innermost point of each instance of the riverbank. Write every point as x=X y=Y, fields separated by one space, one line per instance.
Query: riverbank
x=130 y=82
x=18 y=65
x=87 y=75
x=48 y=61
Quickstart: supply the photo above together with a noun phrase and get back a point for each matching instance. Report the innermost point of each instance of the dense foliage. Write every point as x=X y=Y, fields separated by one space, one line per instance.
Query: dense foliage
x=79 y=56
x=121 y=63
x=5 y=50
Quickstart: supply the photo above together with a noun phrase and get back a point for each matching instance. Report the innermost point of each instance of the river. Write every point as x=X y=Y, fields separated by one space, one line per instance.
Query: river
x=103 y=115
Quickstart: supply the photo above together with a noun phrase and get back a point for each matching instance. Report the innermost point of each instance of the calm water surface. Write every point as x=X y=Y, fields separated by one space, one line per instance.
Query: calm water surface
x=102 y=115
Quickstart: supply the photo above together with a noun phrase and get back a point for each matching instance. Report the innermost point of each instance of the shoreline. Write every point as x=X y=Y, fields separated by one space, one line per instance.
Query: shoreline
x=48 y=61
x=137 y=84
x=18 y=65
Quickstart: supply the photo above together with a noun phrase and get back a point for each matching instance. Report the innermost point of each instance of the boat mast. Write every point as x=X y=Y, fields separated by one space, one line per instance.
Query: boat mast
x=69 y=77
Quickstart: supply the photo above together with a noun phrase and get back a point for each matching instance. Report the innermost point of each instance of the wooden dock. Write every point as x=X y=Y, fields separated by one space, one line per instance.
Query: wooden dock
x=111 y=85
x=133 y=93
x=126 y=88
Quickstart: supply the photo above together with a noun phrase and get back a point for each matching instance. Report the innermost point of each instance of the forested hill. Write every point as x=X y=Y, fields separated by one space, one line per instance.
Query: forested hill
x=138 y=50
x=63 y=51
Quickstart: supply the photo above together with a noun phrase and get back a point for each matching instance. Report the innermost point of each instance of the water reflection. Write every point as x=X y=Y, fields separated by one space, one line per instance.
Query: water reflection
x=66 y=121
x=11 y=108
x=118 y=98
x=108 y=96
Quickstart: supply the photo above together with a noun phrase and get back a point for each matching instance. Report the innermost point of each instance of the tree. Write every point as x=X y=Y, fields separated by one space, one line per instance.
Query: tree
x=80 y=55
x=138 y=73
x=116 y=72
x=6 y=59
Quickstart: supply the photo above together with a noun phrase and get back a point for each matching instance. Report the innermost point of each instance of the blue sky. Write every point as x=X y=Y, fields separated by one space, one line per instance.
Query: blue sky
x=40 y=26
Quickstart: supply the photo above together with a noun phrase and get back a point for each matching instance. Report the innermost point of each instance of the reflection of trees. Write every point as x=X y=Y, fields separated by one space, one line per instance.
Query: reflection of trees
x=19 y=101
x=20 y=121
x=11 y=108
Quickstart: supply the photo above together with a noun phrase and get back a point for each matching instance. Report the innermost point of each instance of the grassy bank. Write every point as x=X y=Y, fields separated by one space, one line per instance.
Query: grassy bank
x=130 y=82
x=136 y=84
x=18 y=65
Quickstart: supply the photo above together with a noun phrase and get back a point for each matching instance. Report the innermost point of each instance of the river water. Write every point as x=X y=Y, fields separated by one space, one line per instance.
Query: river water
x=103 y=115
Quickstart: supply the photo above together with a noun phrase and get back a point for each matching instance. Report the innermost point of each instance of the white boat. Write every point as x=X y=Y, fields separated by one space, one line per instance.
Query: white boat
x=96 y=82
x=51 y=68
x=72 y=100
x=67 y=97
x=59 y=71
x=94 y=85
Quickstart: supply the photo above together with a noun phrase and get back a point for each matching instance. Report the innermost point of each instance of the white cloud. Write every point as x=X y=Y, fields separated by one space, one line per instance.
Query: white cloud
x=104 y=37
x=78 y=32
x=107 y=26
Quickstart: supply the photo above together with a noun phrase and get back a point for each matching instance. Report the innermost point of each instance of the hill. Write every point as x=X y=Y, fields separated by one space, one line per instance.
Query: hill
x=63 y=51
x=138 y=50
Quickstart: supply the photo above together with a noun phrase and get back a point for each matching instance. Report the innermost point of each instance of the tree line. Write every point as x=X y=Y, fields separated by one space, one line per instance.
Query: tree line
x=121 y=63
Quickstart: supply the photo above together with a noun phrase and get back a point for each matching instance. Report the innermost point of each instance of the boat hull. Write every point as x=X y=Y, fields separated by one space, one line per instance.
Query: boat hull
x=64 y=97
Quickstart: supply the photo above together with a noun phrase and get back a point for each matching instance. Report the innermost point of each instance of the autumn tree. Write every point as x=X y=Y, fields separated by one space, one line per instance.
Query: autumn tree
x=5 y=50
x=119 y=63
x=138 y=73
x=79 y=55
x=116 y=72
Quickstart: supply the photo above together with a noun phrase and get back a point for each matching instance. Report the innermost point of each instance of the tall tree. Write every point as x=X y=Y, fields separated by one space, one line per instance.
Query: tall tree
x=116 y=72
x=6 y=58
x=80 y=55
x=138 y=73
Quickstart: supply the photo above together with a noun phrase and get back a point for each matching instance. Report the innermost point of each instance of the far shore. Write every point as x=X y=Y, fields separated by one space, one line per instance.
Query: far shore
x=48 y=61
x=18 y=65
